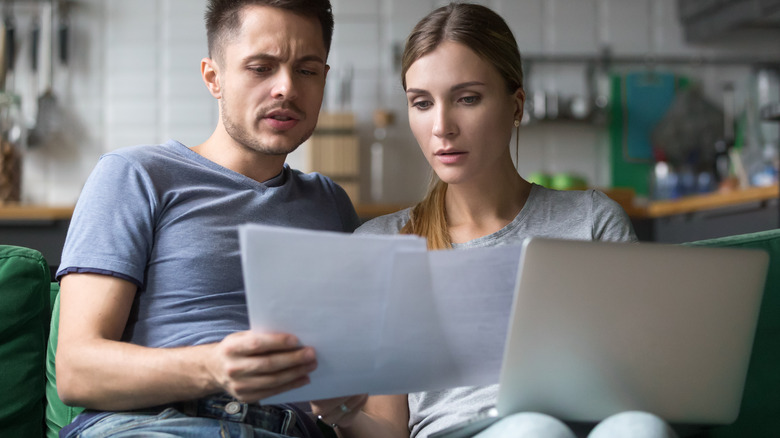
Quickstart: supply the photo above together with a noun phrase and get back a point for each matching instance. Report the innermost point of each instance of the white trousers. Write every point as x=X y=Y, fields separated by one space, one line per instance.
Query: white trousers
x=632 y=424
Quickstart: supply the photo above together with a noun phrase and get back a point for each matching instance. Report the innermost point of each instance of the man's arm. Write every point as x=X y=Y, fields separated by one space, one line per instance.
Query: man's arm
x=96 y=370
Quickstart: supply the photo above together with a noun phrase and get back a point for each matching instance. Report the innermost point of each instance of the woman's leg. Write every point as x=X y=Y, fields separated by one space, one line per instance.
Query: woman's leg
x=527 y=425
x=635 y=424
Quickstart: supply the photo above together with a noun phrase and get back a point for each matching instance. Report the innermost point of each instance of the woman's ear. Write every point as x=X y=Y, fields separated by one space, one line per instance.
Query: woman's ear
x=519 y=98
x=209 y=70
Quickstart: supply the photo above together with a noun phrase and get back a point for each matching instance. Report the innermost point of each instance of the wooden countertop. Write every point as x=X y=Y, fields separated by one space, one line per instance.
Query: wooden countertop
x=40 y=212
x=694 y=203
x=34 y=212
x=651 y=210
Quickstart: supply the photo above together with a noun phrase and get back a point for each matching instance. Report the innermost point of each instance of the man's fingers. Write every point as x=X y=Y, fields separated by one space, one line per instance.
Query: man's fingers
x=252 y=366
x=260 y=387
x=270 y=363
x=249 y=343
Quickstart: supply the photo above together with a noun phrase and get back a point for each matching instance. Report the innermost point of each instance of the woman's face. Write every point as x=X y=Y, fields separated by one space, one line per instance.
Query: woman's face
x=461 y=113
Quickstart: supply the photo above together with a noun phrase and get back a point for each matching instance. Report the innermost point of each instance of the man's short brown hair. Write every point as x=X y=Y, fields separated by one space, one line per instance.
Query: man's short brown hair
x=223 y=18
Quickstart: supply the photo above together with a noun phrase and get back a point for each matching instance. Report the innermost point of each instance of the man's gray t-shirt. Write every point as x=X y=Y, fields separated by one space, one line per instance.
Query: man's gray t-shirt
x=166 y=218
x=579 y=215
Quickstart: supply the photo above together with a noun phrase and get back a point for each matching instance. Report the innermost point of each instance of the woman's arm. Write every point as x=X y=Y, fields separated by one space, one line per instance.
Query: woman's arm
x=378 y=416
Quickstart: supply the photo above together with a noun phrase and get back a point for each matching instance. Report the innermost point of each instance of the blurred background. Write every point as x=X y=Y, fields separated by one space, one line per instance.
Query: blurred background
x=653 y=101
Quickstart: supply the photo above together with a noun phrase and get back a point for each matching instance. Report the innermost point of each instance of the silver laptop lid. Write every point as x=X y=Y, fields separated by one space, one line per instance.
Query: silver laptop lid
x=599 y=328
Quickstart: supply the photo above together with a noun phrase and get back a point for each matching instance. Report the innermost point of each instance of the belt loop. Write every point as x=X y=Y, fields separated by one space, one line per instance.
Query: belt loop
x=289 y=421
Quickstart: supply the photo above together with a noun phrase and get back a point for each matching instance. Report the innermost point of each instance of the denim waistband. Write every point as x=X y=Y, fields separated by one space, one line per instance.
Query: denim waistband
x=273 y=418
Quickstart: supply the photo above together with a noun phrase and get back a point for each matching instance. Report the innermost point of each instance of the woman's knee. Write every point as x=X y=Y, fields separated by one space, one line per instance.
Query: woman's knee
x=635 y=424
x=528 y=425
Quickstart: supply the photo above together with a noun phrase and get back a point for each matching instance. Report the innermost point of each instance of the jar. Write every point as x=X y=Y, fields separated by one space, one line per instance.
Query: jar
x=11 y=148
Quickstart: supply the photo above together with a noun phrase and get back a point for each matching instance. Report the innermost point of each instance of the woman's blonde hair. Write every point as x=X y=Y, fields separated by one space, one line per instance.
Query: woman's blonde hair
x=487 y=34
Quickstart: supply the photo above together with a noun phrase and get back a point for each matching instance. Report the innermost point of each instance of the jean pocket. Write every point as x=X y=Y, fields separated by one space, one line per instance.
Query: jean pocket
x=127 y=421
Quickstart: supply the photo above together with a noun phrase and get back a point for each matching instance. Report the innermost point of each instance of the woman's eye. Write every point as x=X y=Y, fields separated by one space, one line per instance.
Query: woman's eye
x=470 y=100
x=421 y=104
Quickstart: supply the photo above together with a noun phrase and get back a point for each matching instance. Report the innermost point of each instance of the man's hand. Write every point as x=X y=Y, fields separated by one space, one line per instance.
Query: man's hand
x=340 y=412
x=252 y=366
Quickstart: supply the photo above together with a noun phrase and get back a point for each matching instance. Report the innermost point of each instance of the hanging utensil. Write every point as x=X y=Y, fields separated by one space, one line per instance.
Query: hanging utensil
x=48 y=116
x=9 y=44
x=64 y=31
x=35 y=36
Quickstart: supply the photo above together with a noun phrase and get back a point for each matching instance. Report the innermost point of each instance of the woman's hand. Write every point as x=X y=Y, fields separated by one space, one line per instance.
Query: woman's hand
x=339 y=412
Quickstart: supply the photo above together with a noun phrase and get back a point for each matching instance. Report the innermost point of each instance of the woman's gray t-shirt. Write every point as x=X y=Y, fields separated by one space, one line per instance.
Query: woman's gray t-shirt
x=578 y=215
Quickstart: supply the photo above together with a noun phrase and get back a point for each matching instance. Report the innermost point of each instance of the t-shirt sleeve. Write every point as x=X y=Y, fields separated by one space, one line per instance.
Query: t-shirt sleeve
x=112 y=228
x=349 y=217
x=610 y=221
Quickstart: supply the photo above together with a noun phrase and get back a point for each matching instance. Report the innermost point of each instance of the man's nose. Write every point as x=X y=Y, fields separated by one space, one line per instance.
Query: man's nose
x=284 y=87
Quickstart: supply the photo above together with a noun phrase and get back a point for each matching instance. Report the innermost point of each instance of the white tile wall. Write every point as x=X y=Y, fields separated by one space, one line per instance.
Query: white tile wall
x=134 y=78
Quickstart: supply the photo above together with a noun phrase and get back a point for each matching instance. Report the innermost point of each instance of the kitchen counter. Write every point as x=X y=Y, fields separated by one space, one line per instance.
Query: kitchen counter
x=44 y=227
x=34 y=212
x=17 y=212
x=704 y=216
x=685 y=219
x=653 y=209
x=694 y=203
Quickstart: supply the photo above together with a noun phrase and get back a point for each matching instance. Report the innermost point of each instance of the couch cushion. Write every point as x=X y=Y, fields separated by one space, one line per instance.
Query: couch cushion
x=761 y=399
x=24 y=324
x=58 y=414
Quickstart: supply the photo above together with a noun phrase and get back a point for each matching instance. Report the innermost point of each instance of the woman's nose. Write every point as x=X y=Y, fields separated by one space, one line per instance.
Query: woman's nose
x=444 y=125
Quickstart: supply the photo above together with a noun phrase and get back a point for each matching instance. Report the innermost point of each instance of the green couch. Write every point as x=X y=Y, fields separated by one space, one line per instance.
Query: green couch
x=29 y=406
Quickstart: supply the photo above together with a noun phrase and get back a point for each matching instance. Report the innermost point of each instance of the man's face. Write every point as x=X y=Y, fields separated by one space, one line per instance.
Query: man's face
x=272 y=79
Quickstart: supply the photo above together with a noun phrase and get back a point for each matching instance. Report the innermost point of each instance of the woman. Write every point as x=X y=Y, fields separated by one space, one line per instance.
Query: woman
x=464 y=85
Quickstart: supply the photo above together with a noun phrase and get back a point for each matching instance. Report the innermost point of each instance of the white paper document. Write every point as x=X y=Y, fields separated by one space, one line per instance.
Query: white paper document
x=384 y=315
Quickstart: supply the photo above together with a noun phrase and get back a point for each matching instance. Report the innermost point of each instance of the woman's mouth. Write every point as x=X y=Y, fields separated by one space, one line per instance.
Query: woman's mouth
x=450 y=156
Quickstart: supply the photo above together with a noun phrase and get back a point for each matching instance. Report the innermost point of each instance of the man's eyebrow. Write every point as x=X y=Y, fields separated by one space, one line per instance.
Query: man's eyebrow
x=273 y=58
x=455 y=87
x=311 y=58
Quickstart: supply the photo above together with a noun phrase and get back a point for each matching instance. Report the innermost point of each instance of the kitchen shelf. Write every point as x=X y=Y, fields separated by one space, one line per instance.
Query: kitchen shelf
x=607 y=58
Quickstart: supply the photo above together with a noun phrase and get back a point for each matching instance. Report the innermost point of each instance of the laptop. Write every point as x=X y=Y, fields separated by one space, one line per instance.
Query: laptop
x=599 y=328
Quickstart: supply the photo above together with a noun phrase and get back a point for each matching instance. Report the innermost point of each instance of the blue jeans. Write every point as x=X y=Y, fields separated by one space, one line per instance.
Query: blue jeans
x=212 y=417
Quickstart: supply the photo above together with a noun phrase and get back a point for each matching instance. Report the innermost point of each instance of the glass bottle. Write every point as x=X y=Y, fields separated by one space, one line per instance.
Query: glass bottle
x=11 y=148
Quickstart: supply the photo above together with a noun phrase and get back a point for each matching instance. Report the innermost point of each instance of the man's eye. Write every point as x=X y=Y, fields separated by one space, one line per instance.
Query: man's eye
x=260 y=69
x=306 y=72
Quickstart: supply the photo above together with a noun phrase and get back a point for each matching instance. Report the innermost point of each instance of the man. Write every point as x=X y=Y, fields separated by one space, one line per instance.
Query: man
x=153 y=316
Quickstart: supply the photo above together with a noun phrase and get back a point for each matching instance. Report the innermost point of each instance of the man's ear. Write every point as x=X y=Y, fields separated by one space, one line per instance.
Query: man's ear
x=209 y=70
x=519 y=97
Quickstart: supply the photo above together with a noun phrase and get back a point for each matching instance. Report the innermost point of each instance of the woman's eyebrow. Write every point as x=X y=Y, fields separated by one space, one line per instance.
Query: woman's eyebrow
x=455 y=87
x=465 y=85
